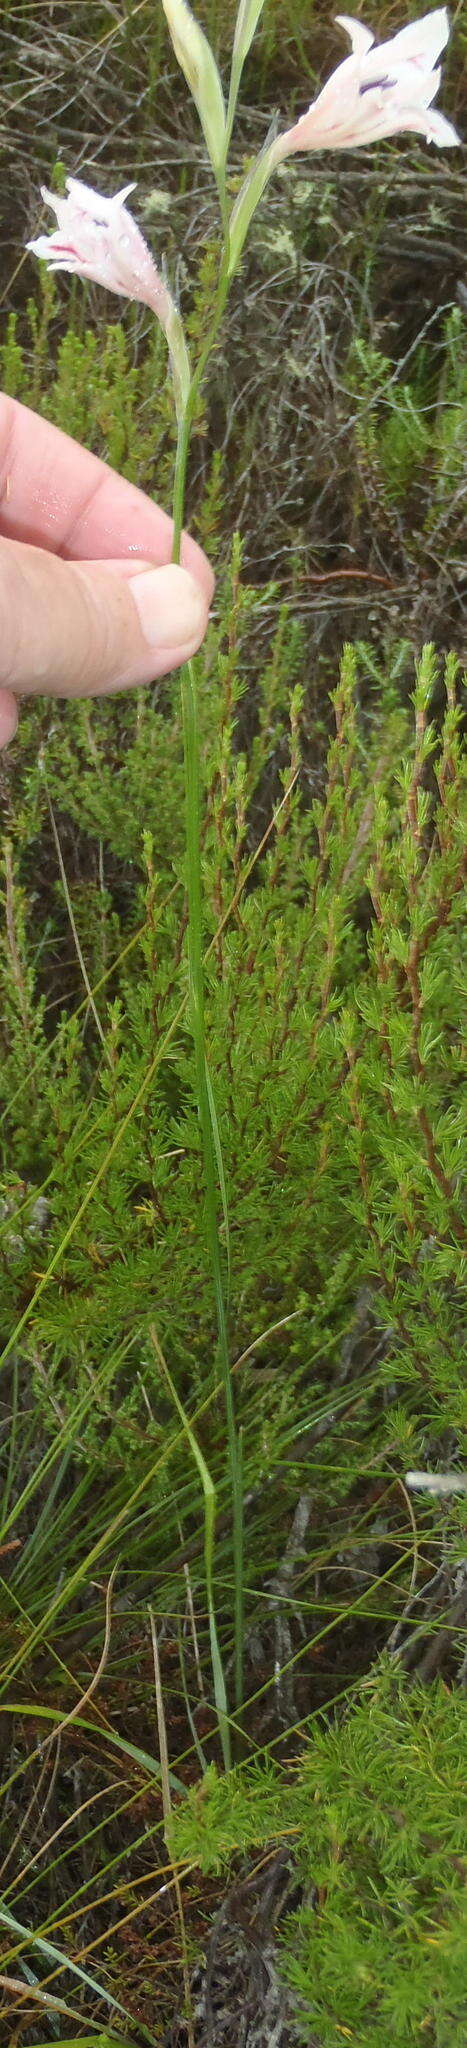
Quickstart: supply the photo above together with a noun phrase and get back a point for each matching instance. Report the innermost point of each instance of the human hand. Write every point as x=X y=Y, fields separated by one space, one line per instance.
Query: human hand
x=90 y=601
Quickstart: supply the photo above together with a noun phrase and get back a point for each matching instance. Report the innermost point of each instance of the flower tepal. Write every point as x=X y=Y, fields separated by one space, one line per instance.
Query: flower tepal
x=379 y=90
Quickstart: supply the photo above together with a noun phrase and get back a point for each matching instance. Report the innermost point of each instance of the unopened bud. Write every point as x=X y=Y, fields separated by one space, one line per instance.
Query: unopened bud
x=199 y=67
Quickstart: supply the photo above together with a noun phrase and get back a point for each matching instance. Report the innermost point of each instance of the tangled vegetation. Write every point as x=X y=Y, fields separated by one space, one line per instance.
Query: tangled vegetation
x=321 y=1877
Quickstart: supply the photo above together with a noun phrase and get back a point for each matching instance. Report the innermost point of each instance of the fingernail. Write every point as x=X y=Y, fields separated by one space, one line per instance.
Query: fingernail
x=171 y=608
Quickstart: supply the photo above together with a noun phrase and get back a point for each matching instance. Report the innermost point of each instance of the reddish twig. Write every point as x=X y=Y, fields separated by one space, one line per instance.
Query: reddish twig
x=330 y=575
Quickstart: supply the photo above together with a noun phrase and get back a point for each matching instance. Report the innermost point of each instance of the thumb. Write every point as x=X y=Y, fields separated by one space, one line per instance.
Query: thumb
x=8 y=717
x=87 y=628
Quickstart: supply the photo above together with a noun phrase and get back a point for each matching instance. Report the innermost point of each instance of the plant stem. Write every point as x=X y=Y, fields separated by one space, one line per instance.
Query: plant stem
x=196 y=975
x=183 y=439
x=186 y=422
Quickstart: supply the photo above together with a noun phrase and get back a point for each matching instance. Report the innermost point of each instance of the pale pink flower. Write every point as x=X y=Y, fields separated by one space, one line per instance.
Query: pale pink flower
x=98 y=238
x=378 y=91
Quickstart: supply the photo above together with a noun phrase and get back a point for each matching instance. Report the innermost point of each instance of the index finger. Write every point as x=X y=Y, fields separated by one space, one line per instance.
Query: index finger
x=58 y=496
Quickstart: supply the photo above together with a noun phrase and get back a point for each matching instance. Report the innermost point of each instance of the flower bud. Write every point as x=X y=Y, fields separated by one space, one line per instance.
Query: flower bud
x=199 y=67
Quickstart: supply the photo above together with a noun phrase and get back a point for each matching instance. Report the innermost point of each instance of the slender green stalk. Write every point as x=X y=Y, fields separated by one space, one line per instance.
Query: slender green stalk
x=195 y=957
x=209 y=1533
x=185 y=424
x=196 y=974
x=183 y=440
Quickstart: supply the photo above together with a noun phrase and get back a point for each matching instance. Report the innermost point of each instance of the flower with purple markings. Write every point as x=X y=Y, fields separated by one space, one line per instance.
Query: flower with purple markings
x=98 y=238
x=379 y=90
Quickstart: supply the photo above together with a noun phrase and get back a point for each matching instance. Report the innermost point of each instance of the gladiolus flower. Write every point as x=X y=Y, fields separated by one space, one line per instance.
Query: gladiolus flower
x=97 y=238
x=378 y=91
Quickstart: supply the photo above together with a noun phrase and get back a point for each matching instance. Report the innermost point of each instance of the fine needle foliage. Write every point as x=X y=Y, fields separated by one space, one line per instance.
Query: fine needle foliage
x=332 y=978
x=232 y=1103
x=374 y=1821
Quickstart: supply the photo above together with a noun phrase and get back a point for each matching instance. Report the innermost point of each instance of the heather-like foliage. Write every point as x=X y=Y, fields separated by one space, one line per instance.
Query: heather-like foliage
x=332 y=945
x=375 y=1827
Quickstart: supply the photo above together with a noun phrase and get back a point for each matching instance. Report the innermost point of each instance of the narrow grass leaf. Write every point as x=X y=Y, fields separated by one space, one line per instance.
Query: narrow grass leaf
x=129 y=1749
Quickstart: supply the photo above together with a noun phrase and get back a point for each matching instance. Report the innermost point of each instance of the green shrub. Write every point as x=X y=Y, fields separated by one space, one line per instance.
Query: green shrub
x=332 y=935
x=375 y=1819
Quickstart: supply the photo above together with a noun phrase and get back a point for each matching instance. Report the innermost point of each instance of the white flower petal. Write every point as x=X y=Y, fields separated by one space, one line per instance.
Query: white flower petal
x=361 y=38
x=86 y=200
x=406 y=87
x=422 y=40
x=41 y=247
x=441 y=131
x=417 y=88
x=52 y=199
x=120 y=197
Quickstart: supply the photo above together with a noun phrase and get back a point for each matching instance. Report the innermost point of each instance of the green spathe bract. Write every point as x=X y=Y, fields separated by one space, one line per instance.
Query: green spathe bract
x=247 y=201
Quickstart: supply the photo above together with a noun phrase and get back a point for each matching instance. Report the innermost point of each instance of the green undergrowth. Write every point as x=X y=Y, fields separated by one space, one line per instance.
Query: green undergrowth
x=402 y=428
x=374 y=1821
x=333 y=996
x=332 y=947
x=332 y=935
